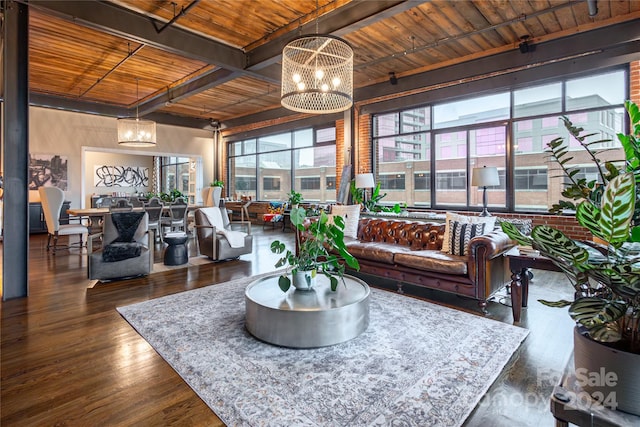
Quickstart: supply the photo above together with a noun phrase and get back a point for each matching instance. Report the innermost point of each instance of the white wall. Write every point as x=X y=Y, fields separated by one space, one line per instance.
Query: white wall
x=74 y=134
x=96 y=158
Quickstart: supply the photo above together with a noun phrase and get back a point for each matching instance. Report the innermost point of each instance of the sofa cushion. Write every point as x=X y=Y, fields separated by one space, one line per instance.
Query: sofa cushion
x=489 y=220
x=461 y=234
x=433 y=260
x=375 y=251
x=350 y=214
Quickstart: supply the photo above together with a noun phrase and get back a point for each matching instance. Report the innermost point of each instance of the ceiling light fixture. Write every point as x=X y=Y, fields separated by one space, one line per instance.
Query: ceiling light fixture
x=136 y=132
x=317 y=74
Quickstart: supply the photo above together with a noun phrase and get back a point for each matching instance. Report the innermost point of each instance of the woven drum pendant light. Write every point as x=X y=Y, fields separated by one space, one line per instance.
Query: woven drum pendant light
x=136 y=132
x=317 y=75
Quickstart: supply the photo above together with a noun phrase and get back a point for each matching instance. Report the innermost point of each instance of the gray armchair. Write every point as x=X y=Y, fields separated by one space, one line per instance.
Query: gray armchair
x=127 y=248
x=216 y=239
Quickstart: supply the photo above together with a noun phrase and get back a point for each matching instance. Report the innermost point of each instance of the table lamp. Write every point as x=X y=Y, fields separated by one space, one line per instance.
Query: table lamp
x=364 y=181
x=485 y=177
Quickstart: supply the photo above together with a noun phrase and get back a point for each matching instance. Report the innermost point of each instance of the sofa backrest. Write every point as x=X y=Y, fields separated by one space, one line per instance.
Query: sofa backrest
x=416 y=235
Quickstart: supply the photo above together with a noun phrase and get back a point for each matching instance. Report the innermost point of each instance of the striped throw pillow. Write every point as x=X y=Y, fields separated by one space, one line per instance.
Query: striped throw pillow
x=461 y=234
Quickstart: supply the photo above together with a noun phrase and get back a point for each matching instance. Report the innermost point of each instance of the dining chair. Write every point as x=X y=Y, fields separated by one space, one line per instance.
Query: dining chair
x=52 y=199
x=104 y=202
x=136 y=202
x=154 y=209
x=177 y=219
x=121 y=205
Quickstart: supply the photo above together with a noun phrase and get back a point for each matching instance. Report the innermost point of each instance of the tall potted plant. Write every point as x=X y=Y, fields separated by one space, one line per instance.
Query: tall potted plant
x=605 y=276
x=321 y=250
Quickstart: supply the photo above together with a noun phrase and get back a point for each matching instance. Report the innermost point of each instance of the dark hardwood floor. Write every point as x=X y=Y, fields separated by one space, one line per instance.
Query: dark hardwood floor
x=69 y=359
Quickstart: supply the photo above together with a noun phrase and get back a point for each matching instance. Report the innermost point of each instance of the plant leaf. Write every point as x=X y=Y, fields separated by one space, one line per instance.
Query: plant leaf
x=284 y=282
x=593 y=311
x=556 y=304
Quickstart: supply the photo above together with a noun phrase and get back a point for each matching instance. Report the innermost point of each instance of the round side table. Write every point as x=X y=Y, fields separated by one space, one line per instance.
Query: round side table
x=176 y=253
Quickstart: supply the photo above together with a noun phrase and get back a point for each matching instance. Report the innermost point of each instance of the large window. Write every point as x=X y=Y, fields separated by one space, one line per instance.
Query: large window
x=505 y=128
x=175 y=174
x=270 y=166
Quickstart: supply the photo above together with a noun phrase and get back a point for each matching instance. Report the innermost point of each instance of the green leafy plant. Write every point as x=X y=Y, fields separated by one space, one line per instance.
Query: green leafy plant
x=217 y=183
x=294 y=198
x=168 y=197
x=579 y=189
x=320 y=246
x=605 y=277
x=373 y=204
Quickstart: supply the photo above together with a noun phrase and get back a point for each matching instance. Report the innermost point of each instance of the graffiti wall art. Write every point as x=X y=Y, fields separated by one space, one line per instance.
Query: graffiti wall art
x=121 y=176
x=47 y=170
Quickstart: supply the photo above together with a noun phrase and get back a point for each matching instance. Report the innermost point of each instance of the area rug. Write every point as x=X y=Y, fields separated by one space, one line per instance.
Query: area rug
x=159 y=267
x=417 y=364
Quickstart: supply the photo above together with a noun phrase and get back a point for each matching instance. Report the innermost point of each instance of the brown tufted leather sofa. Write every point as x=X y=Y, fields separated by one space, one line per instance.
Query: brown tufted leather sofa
x=409 y=252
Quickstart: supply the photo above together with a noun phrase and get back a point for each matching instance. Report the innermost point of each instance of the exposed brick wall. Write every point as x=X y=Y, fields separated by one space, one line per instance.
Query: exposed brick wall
x=363 y=139
x=634 y=84
x=567 y=224
x=340 y=145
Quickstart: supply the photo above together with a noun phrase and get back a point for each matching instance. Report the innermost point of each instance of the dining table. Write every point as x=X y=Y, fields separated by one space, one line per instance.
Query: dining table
x=96 y=215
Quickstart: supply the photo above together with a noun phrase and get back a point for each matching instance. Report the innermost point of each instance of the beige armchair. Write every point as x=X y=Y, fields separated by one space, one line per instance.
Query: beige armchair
x=216 y=239
x=52 y=199
x=127 y=247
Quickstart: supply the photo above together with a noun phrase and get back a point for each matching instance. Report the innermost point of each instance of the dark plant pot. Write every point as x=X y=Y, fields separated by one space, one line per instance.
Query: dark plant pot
x=611 y=376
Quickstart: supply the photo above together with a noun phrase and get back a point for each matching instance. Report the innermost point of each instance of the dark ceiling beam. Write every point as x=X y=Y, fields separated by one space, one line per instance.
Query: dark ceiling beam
x=338 y=22
x=307 y=121
x=113 y=19
x=86 y=107
x=197 y=85
x=577 y=44
x=616 y=56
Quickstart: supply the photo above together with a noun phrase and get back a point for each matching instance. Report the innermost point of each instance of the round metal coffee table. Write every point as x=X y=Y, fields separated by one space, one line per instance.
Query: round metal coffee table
x=306 y=319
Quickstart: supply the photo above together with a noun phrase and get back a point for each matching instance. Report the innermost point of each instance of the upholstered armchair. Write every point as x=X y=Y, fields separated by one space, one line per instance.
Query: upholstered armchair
x=127 y=248
x=52 y=199
x=216 y=239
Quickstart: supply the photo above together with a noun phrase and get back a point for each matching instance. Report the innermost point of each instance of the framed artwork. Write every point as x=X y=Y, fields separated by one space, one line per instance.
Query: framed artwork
x=47 y=170
x=120 y=176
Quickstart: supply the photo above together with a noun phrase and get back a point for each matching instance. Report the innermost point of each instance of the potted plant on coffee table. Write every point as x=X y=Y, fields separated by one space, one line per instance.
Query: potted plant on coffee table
x=321 y=250
x=606 y=279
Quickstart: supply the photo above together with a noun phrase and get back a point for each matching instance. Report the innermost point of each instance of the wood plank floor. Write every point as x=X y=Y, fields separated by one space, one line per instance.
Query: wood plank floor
x=69 y=359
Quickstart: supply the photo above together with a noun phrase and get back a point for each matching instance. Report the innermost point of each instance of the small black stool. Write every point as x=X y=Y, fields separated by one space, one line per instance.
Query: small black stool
x=176 y=253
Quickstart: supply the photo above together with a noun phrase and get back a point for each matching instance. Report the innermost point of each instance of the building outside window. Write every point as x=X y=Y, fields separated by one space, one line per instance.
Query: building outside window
x=477 y=131
x=174 y=173
x=269 y=167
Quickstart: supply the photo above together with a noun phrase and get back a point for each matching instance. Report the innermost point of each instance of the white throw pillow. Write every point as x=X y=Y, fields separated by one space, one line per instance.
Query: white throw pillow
x=351 y=215
x=490 y=222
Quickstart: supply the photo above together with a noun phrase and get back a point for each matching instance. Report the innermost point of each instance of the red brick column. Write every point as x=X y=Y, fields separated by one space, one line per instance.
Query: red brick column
x=634 y=82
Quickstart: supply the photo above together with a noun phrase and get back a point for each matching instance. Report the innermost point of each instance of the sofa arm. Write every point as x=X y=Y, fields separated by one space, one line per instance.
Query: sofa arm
x=490 y=245
x=486 y=264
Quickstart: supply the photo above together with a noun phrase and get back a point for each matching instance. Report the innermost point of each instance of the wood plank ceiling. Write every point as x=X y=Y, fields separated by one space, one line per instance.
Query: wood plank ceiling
x=81 y=55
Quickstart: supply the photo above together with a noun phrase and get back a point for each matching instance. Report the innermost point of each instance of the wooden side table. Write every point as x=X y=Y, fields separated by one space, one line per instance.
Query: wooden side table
x=519 y=265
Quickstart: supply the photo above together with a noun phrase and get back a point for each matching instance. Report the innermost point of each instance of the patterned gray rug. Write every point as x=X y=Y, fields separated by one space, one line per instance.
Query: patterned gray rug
x=418 y=364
